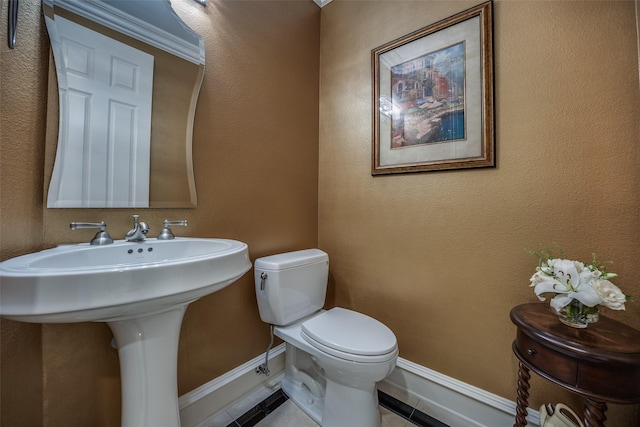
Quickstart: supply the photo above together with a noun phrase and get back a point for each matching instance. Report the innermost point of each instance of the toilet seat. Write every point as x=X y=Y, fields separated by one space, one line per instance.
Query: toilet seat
x=350 y=335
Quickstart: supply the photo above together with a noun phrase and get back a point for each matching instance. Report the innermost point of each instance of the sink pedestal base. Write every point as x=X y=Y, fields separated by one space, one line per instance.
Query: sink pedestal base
x=148 y=352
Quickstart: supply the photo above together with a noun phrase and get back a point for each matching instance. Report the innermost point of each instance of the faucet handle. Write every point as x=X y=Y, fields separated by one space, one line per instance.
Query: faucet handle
x=166 y=233
x=78 y=225
x=101 y=237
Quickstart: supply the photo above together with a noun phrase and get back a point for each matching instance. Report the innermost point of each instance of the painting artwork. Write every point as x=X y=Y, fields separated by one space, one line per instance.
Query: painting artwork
x=429 y=93
x=433 y=97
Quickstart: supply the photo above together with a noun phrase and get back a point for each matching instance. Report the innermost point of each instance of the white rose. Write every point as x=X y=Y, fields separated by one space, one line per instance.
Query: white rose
x=612 y=296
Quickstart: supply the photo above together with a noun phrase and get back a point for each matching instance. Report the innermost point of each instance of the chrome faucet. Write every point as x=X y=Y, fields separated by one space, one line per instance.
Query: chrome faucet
x=101 y=237
x=139 y=231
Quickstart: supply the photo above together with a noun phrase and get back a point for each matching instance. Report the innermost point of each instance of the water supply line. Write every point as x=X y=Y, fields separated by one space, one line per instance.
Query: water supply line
x=264 y=368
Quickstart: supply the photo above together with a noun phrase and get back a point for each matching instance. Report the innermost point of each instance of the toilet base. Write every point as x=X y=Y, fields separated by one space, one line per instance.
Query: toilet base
x=300 y=395
x=342 y=407
x=326 y=401
x=350 y=407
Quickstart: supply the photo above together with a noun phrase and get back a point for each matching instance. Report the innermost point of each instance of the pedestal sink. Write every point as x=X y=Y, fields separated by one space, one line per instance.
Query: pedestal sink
x=141 y=290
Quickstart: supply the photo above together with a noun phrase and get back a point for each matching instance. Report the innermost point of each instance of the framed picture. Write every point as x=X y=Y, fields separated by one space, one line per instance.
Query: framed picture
x=433 y=97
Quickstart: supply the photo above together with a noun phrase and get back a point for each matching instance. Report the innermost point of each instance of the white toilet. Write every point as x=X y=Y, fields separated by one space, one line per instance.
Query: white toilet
x=334 y=358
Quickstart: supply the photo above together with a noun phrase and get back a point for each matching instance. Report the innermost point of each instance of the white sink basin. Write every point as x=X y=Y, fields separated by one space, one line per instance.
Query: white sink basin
x=79 y=283
x=141 y=290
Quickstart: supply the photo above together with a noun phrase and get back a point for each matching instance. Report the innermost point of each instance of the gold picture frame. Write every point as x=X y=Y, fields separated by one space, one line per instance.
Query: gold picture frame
x=433 y=97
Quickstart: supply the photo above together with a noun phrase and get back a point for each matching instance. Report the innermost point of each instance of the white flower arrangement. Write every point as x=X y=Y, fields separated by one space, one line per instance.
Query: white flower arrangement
x=571 y=280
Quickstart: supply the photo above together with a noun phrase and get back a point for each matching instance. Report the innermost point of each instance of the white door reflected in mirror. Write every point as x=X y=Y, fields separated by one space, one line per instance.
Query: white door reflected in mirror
x=109 y=86
x=127 y=74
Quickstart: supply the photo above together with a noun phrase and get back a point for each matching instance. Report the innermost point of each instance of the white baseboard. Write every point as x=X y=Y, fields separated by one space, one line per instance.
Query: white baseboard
x=454 y=402
x=447 y=399
x=227 y=390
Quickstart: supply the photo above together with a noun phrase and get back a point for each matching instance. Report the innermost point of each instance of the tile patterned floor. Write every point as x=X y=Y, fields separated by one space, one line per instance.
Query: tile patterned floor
x=278 y=411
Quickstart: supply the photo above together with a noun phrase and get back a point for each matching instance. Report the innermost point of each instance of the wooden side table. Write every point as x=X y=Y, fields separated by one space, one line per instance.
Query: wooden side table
x=601 y=363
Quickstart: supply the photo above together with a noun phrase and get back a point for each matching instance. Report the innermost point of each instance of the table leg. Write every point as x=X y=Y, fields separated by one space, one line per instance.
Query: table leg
x=523 y=396
x=594 y=413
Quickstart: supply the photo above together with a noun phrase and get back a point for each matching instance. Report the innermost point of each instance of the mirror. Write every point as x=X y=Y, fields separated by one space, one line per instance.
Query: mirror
x=127 y=74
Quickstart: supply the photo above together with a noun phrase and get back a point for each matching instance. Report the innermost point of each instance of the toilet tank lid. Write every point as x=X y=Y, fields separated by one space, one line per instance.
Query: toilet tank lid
x=291 y=259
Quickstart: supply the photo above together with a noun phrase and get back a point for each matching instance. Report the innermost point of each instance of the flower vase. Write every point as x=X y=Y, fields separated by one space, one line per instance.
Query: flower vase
x=578 y=315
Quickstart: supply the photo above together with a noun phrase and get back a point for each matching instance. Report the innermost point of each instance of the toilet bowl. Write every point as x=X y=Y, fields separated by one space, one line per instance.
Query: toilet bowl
x=347 y=393
x=334 y=358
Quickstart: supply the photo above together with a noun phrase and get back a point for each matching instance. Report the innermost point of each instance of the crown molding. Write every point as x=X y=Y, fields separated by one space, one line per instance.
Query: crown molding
x=321 y=3
x=118 y=20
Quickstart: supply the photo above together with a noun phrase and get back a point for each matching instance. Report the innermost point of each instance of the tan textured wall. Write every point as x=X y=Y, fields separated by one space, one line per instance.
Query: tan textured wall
x=439 y=257
x=22 y=96
x=256 y=166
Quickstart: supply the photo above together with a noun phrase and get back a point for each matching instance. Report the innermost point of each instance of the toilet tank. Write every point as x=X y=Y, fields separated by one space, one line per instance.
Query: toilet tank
x=291 y=286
